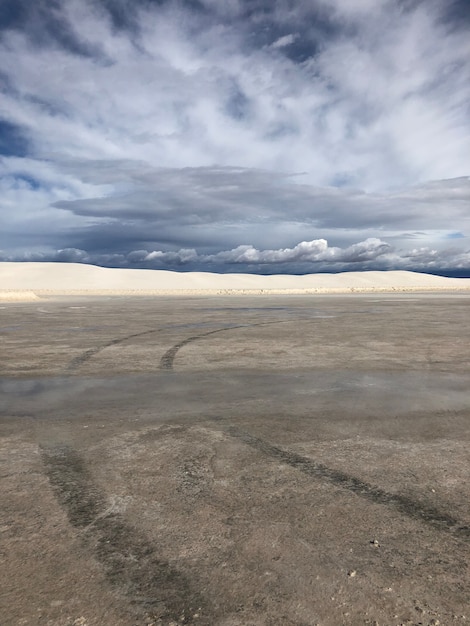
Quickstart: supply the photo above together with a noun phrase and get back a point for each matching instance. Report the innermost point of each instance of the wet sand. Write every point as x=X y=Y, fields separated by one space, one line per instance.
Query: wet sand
x=274 y=460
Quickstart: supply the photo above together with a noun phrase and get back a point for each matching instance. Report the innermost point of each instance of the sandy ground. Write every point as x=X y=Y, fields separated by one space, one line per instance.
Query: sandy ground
x=235 y=461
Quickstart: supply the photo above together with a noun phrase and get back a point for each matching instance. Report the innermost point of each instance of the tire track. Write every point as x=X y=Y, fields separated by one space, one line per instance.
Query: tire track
x=79 y=360
x=167 y=360
x=413 y=509
x=154 y=589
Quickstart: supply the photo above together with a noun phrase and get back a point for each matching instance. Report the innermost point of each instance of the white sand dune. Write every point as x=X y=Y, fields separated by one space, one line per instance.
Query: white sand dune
x=23 y=281
x=18 y=296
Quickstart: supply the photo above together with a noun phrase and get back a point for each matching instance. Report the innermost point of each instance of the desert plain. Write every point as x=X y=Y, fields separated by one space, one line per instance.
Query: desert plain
x=293 y=458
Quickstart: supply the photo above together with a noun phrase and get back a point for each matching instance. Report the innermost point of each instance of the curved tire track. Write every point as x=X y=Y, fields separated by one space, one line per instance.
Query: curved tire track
x=167 y=360
x=79 y=360
x=153 y=587
x=413 y=509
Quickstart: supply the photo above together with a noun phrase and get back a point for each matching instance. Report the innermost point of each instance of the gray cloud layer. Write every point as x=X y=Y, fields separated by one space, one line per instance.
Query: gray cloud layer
x=220 y=135
x=307 y=256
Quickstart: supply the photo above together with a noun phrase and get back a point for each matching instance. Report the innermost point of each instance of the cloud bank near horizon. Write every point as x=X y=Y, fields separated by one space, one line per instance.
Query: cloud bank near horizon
x=186 y=134
x=306 y=257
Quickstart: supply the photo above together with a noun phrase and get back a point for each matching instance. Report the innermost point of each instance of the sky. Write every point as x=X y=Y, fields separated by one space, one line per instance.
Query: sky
x=267 y=136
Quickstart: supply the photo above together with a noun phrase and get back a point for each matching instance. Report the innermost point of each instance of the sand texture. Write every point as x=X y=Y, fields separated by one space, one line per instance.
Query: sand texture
x=223 y=461
x=18 y=296
x=74 y=278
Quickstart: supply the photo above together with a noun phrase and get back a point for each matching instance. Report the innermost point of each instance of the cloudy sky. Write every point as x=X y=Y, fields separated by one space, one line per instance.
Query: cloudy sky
x=263 y=136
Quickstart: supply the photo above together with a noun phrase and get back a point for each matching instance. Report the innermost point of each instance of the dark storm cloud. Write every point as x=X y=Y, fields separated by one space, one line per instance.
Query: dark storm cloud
x=45 y=24
x=234 y=195
x=305 y=257
x=254 y=135
x=12 y=141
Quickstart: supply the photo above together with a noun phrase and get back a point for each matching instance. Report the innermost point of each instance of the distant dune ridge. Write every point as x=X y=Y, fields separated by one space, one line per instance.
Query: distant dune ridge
x=28 y=281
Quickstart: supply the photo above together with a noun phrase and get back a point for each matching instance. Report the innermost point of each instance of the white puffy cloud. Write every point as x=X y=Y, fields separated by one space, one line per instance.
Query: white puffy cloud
x=165 y=127
x=180 y=257
x=305 y=257
x=285 y=40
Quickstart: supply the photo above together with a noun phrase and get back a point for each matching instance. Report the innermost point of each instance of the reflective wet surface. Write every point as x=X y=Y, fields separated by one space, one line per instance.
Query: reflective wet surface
x=235 y=459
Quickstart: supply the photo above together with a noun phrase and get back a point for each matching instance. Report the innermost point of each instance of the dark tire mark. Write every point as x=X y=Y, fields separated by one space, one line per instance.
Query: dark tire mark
x=153 y=587
x=79 y=360
x=167 y=360
x=415 y=510
x=72 y=485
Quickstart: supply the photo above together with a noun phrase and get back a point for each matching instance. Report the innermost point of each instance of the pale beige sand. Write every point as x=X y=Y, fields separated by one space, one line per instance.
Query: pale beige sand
x=74 y=278
x=18 y=296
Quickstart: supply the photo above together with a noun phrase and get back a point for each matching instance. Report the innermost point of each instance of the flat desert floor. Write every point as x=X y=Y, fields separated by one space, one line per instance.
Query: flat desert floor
x=237 y=461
